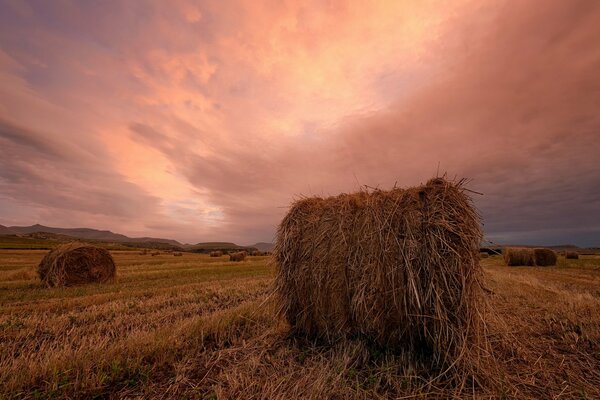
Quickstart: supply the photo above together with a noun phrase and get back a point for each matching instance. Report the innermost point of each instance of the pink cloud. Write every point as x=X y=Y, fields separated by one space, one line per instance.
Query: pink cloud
x=203 y=120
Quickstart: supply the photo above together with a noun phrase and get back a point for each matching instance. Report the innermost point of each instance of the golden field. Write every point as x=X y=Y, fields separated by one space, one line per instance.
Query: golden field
x=205 y=328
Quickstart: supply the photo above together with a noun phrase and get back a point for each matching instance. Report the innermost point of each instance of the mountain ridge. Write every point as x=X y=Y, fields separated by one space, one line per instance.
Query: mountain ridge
x=83 y=233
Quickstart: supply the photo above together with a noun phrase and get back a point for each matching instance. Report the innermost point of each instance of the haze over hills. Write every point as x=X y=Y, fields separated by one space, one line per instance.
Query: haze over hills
x=82 y=233
x=108 y=236
x=262 y=246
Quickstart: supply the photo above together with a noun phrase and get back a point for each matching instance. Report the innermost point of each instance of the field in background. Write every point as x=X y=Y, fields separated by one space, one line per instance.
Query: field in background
x=201 y=327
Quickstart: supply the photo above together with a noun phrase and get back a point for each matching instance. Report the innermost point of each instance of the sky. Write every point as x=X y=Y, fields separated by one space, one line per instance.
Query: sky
x=203 y=120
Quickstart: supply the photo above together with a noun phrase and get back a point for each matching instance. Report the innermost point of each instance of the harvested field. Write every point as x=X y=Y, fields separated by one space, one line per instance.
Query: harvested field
x=201 y=327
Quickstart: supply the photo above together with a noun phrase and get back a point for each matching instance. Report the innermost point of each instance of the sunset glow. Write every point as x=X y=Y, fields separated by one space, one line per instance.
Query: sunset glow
x=203 y=120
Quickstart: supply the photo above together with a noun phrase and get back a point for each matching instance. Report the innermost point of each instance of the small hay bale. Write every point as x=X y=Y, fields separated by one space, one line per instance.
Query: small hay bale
x=484 y=255
x=255 y=253
x=517 y=256
x=399 y=267
x=143 y=253
x=239 y=256
x=217 y=253
x=76 y=263
x=177 y=254
x=572 y=255
x=155 y=253
x=544 y=257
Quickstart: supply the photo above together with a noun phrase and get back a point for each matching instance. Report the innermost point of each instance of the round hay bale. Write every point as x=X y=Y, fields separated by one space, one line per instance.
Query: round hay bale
x=400 y=267
x=517 y=256
x=239 y=256
x=177 y=254
x=572 y=255
x=544 y=257
x=255 y=253
x=484 y=255
x=75 y=264
x=217 y=253
x=155 y=253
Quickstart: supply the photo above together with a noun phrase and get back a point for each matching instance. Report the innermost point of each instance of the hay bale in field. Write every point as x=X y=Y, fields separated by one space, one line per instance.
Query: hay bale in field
x=517 y=256
x=572 y=255
x=484 y=255
x=544 y=257
x=255 y=253
x=75 y=264
x=217 y=253
x=400 y=267
x=177 y=254
x=239 y=256
x=143 y=253
x=155 y=253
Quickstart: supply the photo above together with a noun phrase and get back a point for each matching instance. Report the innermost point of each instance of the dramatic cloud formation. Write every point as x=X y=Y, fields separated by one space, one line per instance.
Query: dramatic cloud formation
x=203 y=120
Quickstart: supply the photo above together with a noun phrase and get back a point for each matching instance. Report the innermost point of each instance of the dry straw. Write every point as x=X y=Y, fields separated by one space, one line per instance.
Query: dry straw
x=239 y=256
x=399 y=267
x=76 y=263
x=515 y=256
x=572 y=255
x=544 y=257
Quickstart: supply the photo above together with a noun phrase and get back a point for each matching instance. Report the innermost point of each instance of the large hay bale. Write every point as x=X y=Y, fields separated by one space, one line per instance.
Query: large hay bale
x=76 y=263
x=484 y=255
x=217 y=253
x=517 y=256
x=239 y=256
x=400 y=267
x=544 y=257
x=572 y=255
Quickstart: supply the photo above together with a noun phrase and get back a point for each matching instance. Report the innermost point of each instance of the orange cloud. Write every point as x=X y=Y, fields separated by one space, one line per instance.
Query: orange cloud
x=202 y=120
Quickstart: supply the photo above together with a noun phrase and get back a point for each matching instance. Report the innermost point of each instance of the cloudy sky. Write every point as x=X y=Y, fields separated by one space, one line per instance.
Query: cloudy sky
x=202 y=120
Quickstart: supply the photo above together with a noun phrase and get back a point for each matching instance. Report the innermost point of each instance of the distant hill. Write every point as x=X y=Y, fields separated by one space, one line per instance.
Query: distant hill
x=5 y=231
x=207 y=247
x=262 y=246
x=45 y=236
x=83 y=233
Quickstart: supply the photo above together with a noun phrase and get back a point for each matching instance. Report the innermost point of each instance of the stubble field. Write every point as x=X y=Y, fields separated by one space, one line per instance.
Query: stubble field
x=201 y=327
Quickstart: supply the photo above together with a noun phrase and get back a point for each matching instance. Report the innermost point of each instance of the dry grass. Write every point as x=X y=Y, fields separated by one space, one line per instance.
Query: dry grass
x=515 y=256
x=398 y=267
x=545 y=257
x=238 y=256
x=204 y=328
x=572 y=255
x=75 y=264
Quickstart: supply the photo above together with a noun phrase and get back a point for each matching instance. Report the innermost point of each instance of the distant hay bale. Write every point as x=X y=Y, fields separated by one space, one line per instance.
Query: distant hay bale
x=143 y=253
x=155 y=253
x=544 y=257
x=400 y=267
x=517 y=256
x=177 y=254
x=239 y=256
x=255 y=253
x=572 y=255
x=75 y=264
x=484 y=255
x=217 y=253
